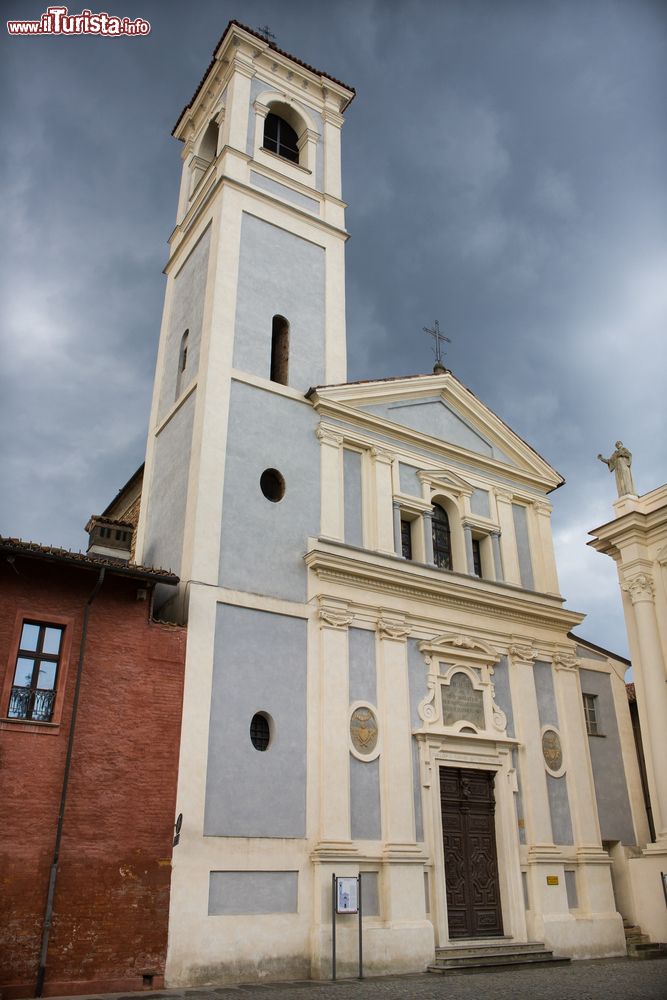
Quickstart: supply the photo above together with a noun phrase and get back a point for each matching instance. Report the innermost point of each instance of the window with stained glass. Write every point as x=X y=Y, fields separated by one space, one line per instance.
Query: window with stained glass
x=442 y=538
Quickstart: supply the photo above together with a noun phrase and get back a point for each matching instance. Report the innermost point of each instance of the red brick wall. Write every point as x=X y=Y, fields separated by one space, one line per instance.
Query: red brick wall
x=112 y=896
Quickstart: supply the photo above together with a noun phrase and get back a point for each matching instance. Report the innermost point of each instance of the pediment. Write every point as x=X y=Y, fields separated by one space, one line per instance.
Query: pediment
x=440 y=412
x=461 y=648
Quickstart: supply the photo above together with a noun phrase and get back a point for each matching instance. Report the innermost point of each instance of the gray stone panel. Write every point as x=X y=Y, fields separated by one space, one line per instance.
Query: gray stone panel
x=559 y=807
x=611 y=790
x=546 y=695
x=409 y=480
x=363 y=684
x=354 y=533
x=259 y=666
x=279 y=274
x=502 y=693
x=282 y=191
x=523 y=546
x=263 y=543
x=480 y=503
x=365 y=799
x=584 y=652
x=417 y=792
x=416 y=679
x=571 y=890
x=370 y=895
x=186 y=313
x=243 y=893
x=165 y=524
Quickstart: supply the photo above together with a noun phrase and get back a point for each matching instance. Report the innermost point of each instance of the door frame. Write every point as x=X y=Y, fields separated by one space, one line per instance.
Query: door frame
x=475 y=753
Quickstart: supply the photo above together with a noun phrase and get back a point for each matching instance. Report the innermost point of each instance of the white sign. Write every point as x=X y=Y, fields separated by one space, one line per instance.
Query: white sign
x=346 y=895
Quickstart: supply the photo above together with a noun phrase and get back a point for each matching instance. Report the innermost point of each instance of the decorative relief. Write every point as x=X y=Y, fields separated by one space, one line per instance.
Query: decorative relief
x=427 y=709
x=499 y=719
x=523 y=653
x=565 y=660
x=552 y=750
x=364 y=730
x=382 y=455
x=461 y=702
x=336 y=615
x=505 y=495
x=328 y=437
x=542 y=508
x=640 y=588
x=389 y=628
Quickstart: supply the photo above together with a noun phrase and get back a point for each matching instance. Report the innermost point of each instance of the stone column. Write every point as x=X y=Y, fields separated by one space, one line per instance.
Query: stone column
x=384 y=519
x=653 y=711
x=510 y=555
x=548 y=579
x=470 y=560
x=427 y=517
x=334 y=721
x=497 y=557
x=398 y=543
x=331 y=503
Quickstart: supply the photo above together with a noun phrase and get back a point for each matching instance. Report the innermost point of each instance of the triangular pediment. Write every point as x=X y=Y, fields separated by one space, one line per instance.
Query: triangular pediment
x=437 y=411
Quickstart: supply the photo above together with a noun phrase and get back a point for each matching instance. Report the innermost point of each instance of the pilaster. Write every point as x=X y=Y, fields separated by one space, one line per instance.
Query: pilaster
x=331 y=498
x=384 y=519
x=510 y=555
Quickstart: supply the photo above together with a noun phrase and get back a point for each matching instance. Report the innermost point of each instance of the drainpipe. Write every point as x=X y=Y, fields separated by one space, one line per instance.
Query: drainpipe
x=48 y=913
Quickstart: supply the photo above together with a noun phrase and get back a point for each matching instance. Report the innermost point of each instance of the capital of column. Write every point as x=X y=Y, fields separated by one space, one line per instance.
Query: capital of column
x=640 y=588
x=382 y=455
x=325 y=436
x=522 y=653
x=261 y=109
x=396 y=628
x=335 y=615
x=505 y=495
x=542 y=507
x=565 y=660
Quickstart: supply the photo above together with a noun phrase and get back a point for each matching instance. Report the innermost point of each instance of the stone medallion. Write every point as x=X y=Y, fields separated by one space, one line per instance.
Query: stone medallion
x=552 y=750
x=363 y=730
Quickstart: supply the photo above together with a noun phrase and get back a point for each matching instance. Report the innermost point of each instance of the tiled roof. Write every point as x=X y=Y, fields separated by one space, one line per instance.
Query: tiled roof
x=275 y=48
x=33 y=550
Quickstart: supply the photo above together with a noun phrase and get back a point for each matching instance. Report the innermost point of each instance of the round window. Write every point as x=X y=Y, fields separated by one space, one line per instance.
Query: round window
x=260 y=731
x=272 y=485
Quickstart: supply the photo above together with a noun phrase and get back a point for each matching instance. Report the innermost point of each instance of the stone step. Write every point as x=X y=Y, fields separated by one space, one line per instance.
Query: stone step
x=648 y=949
x=461 y=959
x=490 y=947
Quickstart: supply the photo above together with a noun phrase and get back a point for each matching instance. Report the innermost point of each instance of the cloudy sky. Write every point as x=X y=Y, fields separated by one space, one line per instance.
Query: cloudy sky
x=505 y=165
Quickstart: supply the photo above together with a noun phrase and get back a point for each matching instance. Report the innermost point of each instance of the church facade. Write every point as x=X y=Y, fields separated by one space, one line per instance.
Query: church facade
x=380 y=676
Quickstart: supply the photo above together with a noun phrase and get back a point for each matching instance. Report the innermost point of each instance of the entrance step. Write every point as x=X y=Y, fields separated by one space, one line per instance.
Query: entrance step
x=471 y=956
x=648 y=949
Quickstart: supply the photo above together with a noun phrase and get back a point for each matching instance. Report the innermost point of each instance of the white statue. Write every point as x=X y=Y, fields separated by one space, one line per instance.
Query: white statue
x=619 y=463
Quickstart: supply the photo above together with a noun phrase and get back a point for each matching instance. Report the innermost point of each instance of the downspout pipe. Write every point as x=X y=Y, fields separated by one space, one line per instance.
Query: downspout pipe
x=53 y=874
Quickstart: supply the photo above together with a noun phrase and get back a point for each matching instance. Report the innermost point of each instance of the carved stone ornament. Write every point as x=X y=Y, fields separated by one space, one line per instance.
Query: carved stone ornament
x=382 y=455
x=336 y=617
x=552 y=750
x=393 y=629
x=327 y=436
x=364 y=730
x=640 y=588
x=526 y=654
x=499 y=719
x=565 y=660
x=427 y=708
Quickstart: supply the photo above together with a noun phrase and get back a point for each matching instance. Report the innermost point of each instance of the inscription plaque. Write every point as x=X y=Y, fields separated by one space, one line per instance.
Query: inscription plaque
x=363 y=730
x=552 y=750
x=461 y=703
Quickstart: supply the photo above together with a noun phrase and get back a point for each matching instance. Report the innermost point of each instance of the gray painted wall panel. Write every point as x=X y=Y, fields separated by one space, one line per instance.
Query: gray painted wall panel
x=370 y=894
x=363 y=684
x=502 y=694
x=409 y=481
x=186 y=313
x=365 y=799
x=259 y=666
x=263 y=543
x=611 y=790
x=238 y=893
x=523 y=545
x=279 y=274
x=559 y=807
x=354 y=533
x=546 y=694
x=417 y=680
x=282 y=191
x=480 y=503
x=417 y=792
x=169 y=489
x=584 y=652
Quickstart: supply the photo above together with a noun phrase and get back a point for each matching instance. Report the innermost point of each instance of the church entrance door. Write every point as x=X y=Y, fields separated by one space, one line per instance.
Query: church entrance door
x=471 y=863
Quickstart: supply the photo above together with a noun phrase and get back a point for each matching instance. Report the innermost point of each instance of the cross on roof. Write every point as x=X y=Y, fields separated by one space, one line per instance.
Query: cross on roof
x=266 y=32
x=439 y=339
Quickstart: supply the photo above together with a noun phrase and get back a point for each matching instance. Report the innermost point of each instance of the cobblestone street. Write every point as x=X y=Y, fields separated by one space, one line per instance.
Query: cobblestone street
x=614 y=979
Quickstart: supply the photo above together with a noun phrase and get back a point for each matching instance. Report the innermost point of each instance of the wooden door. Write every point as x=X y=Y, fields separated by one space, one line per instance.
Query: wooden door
x=471 y=862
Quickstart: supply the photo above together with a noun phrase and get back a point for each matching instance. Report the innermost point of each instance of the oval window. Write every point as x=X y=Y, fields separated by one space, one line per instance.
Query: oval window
x=272 y=485
x=260 y=731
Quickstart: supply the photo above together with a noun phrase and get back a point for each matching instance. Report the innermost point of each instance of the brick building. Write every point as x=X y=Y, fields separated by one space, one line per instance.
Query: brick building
x=63 y=614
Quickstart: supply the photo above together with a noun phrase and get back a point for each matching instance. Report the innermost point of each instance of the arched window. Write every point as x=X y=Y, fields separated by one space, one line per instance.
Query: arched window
x=182 y=363
x=280 y=138
x=442 y=538
x=279 y=350
x=208 y=147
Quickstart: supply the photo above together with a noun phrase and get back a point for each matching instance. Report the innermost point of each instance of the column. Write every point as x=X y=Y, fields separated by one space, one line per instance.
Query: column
x=428 y=536
x=653 y=711
x=548 y=581
x=334 y=726
x=467 y=535
x=331 y=503
x=497 y=557
x=398 y=543
x=510 y=556
x=383 y=513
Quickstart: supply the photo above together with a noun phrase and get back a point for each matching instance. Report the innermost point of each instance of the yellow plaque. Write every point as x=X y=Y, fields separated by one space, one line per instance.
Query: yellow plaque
x=552 y=879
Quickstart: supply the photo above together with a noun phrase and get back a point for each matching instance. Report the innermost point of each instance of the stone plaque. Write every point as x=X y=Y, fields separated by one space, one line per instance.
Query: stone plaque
x=461 y=703
x=364 y=730
x=552 y=750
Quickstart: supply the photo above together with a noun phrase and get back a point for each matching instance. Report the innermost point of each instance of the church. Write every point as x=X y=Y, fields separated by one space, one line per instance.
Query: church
x=381 y=679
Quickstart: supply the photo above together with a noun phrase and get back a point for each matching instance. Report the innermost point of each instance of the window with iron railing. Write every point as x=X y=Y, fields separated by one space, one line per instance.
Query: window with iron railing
x=33 y=691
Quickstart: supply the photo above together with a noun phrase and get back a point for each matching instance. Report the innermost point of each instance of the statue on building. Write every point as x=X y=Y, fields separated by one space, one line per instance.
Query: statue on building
x=619 y=463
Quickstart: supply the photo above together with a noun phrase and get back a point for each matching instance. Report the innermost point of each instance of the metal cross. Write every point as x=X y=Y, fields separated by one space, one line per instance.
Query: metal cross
x=439 y=339
x=266 y=32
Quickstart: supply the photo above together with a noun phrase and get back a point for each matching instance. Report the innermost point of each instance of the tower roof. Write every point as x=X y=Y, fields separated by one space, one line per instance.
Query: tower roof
x=272 y=45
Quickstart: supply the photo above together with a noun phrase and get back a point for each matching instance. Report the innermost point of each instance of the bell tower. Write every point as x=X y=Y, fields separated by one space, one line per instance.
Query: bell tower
x=254 y=310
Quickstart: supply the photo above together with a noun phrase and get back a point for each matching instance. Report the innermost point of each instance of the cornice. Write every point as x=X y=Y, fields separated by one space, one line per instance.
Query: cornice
x=384 y=575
